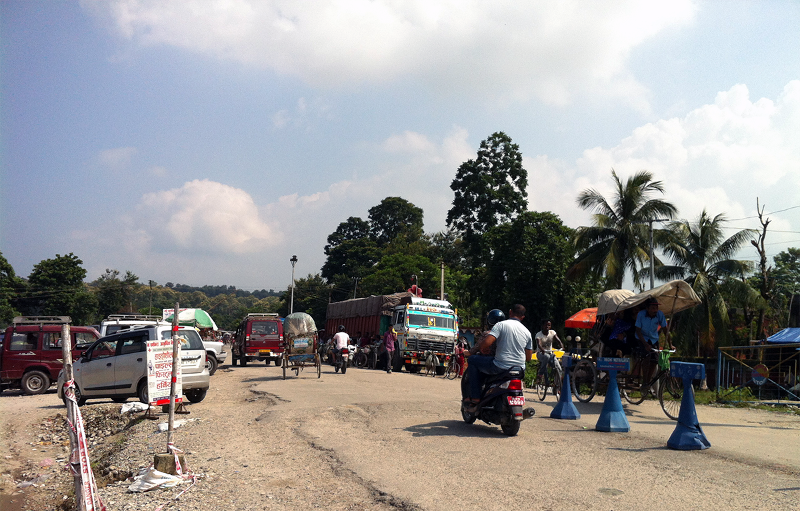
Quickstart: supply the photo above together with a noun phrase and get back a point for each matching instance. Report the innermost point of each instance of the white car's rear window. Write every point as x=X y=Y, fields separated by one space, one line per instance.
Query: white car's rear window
x=191 y=336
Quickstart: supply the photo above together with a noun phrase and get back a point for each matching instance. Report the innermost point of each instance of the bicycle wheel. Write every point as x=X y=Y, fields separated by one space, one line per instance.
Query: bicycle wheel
x=670 y=395
x=631 y=388
x=541 y=386
x=557 y=378
x=452 y=369
x=584 y=381
x=360 y=359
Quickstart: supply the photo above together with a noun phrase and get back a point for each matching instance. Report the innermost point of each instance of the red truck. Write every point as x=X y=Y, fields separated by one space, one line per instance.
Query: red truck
x=259 y=336
x=31 y=356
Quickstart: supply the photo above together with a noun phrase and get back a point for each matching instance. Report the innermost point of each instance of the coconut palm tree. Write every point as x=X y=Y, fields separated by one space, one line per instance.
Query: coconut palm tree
x=619 y=239
x=704 y=258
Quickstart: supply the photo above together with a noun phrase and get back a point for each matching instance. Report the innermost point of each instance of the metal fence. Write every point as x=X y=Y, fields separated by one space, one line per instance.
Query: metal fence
x=758 y=373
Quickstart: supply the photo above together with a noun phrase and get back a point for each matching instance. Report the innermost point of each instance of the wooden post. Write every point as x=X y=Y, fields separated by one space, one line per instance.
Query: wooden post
x=175 y=362
x=66 y=355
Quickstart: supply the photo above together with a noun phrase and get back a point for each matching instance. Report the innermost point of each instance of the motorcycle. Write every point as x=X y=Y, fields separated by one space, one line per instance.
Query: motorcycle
x=340 y=360
x=501 y=401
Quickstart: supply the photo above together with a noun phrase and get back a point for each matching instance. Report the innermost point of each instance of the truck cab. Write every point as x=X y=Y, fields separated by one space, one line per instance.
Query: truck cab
x=424 y=325
x=31 y=356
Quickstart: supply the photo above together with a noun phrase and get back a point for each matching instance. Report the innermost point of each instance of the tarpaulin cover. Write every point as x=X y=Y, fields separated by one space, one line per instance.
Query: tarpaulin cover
x=194 y=317
x=299 y=323
x=672 y=297
x=785 y=336
x=609 y=301
x=363 y=307
x=582 y=319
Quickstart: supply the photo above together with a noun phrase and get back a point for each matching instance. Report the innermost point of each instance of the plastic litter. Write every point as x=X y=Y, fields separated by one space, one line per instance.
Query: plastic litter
x=164 y=426
x=151 y=479
x=135 y=406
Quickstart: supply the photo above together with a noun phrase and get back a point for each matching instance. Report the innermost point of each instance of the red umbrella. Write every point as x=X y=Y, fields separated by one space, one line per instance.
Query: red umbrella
x=582 y=319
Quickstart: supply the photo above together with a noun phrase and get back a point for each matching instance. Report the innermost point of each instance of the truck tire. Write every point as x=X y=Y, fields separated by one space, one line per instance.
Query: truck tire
x=34 y=382
x=277 y=362
x=440 y=370
x=243 y=360
x=233 y=359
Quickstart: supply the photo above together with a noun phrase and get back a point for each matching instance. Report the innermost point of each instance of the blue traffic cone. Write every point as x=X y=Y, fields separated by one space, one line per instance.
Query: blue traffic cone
x=612 y=417
x=688 y=435
x=565 y=408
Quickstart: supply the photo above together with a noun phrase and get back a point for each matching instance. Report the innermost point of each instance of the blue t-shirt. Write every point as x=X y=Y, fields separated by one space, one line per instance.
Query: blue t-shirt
x=512 y=341
x=650 y=325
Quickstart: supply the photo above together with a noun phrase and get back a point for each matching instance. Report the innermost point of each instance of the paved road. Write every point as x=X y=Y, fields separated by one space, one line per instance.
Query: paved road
x=369 y=440
x=404 y=434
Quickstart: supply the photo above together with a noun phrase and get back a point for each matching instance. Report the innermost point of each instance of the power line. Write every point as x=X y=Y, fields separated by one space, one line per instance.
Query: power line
x=756 y=216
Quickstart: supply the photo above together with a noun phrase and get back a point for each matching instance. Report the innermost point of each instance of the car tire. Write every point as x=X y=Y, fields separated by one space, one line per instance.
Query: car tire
x=211 y=363
x=195 y=395
x=142 y=392
x=34 y=382
x=79 y=397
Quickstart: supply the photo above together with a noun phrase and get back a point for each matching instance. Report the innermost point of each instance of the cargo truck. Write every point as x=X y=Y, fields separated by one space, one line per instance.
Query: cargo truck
x=422 y=325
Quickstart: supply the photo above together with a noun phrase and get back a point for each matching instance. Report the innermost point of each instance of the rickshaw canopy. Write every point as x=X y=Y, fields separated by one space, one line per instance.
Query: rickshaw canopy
x=299 y=323
x=609 y=300
x=672 y=297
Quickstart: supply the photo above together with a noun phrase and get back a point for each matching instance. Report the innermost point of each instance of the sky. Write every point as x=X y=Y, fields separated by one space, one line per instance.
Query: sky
x=205 y=142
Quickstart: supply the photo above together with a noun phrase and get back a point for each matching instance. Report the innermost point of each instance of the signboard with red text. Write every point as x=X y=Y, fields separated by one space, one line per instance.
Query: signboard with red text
x=159 y=372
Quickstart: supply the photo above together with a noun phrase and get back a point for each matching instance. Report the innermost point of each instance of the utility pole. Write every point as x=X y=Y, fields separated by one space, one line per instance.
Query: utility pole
x=652 y=262
x=441 y=286
x=355 y=286
x=293 y=260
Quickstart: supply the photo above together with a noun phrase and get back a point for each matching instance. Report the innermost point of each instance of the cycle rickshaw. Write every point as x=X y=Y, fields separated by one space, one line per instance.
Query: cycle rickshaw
x=300 y=344
x=673 y=297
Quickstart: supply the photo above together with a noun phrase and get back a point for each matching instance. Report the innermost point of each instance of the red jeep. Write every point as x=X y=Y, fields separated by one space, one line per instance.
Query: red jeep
x=258 y=337
x=31 y=358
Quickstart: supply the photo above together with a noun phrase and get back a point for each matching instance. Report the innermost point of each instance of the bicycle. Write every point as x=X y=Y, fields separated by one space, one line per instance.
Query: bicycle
x=453 y=368
x=669 y=389
x=360 y=360
x=554 y=373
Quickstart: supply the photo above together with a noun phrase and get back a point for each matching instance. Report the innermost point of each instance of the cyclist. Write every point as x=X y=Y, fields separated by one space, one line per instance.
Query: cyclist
x=544 y=348
x=648 y=323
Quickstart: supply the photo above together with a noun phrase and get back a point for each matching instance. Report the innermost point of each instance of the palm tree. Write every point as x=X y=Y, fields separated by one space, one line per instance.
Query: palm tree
x=704 y=258
x=619 y=239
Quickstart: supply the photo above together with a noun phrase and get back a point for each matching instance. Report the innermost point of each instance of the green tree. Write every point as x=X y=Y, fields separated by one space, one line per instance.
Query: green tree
x=703 y=257
x=395 y=217
x=393 y=274
x=351 y=251
x=489 y=190
x=310 y=296
x=56 y=288
x=619 y=239
x=115 y=295
x=530 y=259
x=11 y=286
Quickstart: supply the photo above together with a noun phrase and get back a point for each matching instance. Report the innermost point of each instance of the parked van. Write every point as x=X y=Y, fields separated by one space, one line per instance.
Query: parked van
x=31 y=355
x=115 y=366
x=259 y=336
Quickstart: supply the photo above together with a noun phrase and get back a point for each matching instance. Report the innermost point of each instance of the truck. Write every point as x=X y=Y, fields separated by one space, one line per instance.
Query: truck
x=422 y=325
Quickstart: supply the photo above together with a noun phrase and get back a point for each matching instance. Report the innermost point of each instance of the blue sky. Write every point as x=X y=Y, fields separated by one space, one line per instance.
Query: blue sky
x=205 y=142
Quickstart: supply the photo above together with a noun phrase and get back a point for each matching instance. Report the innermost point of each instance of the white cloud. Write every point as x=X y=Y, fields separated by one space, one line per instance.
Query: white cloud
x=720 y=157
x=548 y=50
x=116 y=159
x=202 y=216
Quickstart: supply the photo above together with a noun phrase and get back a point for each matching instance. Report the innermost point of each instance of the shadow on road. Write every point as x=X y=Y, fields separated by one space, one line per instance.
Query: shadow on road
x=455 y=428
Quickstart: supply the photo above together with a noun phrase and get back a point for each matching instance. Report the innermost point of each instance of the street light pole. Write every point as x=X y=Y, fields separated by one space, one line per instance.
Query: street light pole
x=293 y=260
x=652 y=264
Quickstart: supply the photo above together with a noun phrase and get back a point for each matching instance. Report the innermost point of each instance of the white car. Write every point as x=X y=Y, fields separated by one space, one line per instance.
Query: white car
x=115 y=366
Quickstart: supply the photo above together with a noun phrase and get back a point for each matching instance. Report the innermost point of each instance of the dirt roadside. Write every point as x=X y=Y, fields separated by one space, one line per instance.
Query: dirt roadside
x=368 y=440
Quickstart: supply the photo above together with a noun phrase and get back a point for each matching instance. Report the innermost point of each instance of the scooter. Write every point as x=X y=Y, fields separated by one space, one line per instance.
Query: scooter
x=501 y=401
x=340 y=357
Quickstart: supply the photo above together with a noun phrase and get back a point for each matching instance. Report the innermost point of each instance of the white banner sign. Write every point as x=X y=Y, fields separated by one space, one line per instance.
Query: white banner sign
x=159 y=372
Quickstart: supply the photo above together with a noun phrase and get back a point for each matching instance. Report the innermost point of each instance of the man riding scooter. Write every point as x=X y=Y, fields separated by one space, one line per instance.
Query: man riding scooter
x=514 y=346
